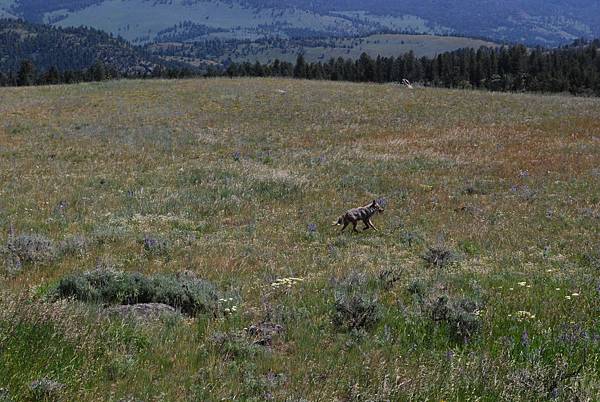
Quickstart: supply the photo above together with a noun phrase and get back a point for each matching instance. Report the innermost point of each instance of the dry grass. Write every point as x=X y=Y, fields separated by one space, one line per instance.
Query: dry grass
x=231 y=172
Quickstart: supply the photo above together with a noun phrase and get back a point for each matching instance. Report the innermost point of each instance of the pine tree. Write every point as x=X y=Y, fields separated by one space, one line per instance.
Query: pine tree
x=300 y=68
x=26 y=75
x=52 y=76
x=365 y=68
x=97 y=72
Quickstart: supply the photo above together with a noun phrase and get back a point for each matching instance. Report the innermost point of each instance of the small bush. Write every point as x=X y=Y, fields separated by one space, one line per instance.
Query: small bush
x=460 y=315
x=475 y=188
x=5 y=395
x=469 y=247
x=156 y=246
x=355 y=311
x=410 y=238
x=109 y=234
x=12 y=262
x=74 y=245
x=592 y=259
x=354 y=280
x=524 y=192
x=262 y=333
x=355 y=306
x=440 y=256
x=233 y=345
x=45 y=389
x=419 y=288
x=541 y=380
x=388 y=277
x=187 y=293
x=33 y=248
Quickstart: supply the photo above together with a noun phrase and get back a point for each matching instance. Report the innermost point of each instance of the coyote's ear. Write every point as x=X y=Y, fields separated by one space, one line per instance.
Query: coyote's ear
x=374 y=202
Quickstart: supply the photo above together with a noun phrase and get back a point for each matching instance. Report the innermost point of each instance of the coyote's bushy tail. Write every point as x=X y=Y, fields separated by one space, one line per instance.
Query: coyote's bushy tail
x=338 y=222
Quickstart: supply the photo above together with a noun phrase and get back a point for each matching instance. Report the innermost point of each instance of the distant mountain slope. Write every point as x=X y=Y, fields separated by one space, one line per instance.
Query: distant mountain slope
x=67 y=48
x=313 y=49
x=547 y=22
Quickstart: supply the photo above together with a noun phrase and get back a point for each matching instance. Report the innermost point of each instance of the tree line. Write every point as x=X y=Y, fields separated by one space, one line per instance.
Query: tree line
x=574 y=68
x=29 y=75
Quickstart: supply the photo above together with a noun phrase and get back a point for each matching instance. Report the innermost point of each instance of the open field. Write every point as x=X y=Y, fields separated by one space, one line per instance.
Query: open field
x=482 y=282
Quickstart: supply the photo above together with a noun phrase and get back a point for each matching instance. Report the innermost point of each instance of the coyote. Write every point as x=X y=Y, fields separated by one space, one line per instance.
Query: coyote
x=359 y=214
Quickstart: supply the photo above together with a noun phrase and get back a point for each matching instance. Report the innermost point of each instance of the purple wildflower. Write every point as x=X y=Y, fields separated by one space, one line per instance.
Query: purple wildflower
x=525 y=339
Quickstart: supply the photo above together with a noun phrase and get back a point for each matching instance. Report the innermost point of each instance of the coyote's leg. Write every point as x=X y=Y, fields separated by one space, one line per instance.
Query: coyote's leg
x=345 y=224
x=354 y=226
x=371 y=224
x=367 y=226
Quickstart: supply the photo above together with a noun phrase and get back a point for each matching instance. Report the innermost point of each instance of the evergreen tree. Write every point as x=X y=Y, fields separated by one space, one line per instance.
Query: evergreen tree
x=97 y=72
x=300 y=68
x=26 y=75
x=52 y=76
x=365 y=68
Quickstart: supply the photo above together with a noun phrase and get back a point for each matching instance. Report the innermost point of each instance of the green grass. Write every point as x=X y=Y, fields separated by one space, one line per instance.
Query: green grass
x=230 y=173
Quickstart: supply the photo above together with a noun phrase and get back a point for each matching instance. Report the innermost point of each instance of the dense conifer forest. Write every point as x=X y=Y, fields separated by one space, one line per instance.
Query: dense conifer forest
x=48 y=54
x=574 y=69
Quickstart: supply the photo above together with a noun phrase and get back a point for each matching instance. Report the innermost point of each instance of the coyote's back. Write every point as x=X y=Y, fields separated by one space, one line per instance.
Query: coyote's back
x=363 y=214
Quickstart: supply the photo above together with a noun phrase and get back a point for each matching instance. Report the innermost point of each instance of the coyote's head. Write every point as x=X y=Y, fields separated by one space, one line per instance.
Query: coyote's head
x=377 y=207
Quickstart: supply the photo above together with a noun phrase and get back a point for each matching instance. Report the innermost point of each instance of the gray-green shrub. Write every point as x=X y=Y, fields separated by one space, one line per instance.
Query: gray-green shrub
x=187 y=293
x=33 y=248
x=355 y=306
x=460 y=315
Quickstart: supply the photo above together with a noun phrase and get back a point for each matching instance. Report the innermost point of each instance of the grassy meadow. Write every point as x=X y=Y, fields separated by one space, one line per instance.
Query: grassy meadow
x=482 y=283
x=384 y=45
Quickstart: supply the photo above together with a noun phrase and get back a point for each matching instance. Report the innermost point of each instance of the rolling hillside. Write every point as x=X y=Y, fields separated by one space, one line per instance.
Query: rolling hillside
x=266 y=51
x=210 y=202
x=68 y=49
x=530 y=21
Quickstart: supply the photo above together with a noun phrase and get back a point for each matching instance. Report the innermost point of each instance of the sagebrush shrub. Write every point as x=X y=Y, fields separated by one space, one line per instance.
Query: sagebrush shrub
x=542 y=380
x=45 y=389
x=187 y=293
x=388 y=277
x=410 y=238
x=233 y=345
x=592 y=259
x=461 y=316
x=5 y=395
x=419 y=288
x=74 y=245
x=109 y=234
x=440 y=256
x=32 y=248
x=354 y=280
x=355 y=311
x=355 y=306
